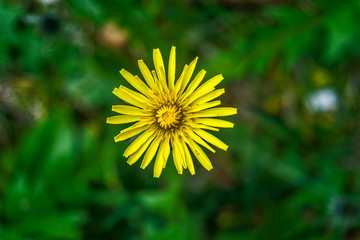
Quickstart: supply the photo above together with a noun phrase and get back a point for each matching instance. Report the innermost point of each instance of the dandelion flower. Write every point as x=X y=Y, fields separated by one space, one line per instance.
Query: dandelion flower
x=170 y=116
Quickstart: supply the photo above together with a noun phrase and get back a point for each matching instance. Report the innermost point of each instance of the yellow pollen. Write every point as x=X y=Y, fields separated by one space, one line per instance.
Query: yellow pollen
x=168 y=116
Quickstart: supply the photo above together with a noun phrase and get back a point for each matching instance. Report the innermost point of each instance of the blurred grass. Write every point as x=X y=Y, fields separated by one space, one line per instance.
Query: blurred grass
x=292 y=168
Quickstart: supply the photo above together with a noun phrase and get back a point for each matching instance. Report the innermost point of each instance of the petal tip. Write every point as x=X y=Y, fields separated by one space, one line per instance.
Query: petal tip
x=157 y=174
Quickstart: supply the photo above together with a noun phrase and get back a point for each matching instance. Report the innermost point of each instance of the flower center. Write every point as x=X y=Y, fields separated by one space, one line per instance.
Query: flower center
x=168 y=116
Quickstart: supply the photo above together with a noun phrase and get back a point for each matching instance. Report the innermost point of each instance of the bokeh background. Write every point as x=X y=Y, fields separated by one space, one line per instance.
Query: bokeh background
x=292 y=68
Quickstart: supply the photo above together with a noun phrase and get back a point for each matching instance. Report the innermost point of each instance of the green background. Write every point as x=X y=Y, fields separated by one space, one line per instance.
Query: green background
x=292 y=68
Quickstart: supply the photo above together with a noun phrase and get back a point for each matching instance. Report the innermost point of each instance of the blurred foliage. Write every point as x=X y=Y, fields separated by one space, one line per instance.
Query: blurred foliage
x=292 y=168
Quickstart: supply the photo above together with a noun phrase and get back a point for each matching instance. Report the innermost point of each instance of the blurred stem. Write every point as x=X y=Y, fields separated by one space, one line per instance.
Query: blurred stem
x=295 y=177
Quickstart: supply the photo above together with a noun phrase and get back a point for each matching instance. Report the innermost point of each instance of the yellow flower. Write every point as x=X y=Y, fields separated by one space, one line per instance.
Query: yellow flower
x=170 y=115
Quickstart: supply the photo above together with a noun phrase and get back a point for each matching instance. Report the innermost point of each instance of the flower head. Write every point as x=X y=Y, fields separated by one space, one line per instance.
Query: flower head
x=169 y=115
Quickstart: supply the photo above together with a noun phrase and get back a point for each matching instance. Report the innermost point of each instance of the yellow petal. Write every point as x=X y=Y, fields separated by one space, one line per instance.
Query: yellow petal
x=199 y=140
x=188 y=159
x=179 y=81
x=206 y=87
x=208 y=97
x=129 y=110
x=150 y=153
x=202 y=126
x=171 y=68
x=138 y=142
x=134 y=157
x=211 y=83
x=137 y=83
x=188 y=75
x=178 y=145
x=166 y=151
x=160 y=159
x=211 y=139
x=194 y=84
x=158 y=85
x=177 y=157
x=203 y=106
x=216 y=112
x=159 y=66
x=147 y=74
x=120 y=119
x=136 y=125
x=199 y=154
x=129 y=97
x=215 y=122
x=136 y=95
x=145 y=89
x=122 y=136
